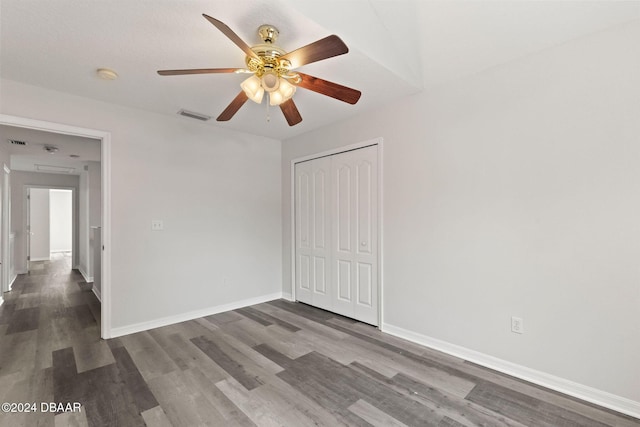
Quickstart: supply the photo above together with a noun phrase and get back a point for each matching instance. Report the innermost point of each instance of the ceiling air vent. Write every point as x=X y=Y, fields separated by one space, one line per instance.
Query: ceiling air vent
x=16 y=142
x=193 y=115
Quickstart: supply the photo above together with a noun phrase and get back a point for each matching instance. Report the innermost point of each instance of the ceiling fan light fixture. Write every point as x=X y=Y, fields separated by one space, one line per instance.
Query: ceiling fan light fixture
x=252 y=87
x=271 y=68
x=270 y=82
x=283 y=94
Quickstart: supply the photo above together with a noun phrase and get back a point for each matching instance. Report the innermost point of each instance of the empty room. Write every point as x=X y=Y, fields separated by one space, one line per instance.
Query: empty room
x=320 y=213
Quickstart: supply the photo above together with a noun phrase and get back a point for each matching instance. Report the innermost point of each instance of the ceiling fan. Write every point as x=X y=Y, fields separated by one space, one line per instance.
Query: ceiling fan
x=272 y=71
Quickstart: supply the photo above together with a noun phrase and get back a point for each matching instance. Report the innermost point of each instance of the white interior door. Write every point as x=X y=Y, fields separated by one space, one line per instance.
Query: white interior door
x=38 y=224
x=313 y=233
x=336 y=227
x=355 y=234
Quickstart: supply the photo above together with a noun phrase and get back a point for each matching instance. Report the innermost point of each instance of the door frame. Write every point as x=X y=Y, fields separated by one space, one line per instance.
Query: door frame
x=105 y=164
x=5 y=278
x=26 y=220
x=380 y=146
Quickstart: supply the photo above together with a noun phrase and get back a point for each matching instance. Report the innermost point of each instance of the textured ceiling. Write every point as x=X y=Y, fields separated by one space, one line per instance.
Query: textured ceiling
x=396 y=48
x=26 y=157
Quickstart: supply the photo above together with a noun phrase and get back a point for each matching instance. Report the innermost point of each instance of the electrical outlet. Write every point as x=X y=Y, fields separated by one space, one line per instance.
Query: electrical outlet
x=517 y=325
x=157 y=225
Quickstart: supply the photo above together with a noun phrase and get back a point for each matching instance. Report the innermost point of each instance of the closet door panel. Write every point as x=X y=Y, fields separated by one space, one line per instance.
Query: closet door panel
x=366 y=226
x=303 y=218
x=365 y=285
x=313 y=232
x=336 y=233
x=321 y=172
x=342 y=218
x=354 y=209
x=343 y=212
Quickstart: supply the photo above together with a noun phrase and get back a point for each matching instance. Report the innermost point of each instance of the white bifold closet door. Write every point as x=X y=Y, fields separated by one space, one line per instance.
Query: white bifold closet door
x=336 y=227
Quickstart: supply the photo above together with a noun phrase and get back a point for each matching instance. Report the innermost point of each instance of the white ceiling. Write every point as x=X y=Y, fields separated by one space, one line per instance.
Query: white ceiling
x=396 y=48
x=26 y=158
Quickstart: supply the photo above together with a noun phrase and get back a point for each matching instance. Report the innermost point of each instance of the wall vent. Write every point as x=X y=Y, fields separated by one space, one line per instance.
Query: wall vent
x=192 y=115
x=17 y=142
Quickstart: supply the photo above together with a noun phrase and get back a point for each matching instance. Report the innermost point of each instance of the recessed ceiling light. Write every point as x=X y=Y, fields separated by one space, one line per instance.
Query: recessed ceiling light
x=107 y=74
x=51 y=149
x=74 y=156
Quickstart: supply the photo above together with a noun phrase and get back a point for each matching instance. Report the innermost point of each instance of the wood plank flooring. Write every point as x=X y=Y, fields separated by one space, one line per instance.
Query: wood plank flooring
x=273 y=364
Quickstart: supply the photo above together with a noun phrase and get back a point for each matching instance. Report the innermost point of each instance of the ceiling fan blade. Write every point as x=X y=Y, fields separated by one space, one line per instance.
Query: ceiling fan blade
x=233 y=108
x=334 y=90
x=291 y=112
x=231 y=35
x=327 y=47
x=199 y=71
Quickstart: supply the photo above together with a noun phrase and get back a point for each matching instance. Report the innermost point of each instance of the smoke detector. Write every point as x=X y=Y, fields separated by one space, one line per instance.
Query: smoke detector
x=51 y=149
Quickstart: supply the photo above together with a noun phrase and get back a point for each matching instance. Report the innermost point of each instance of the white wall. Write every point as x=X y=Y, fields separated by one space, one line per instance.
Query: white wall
x=90 y=214
x=84 y=233
x=218 y=193
x=95 y=212
x=515 y=192
x=40 y=227
x=4 y=160
x=19 y=180
x=60 y=220
x=95 y=194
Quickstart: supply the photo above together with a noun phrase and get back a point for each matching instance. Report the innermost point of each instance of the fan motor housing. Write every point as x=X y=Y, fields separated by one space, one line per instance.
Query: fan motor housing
x=268 y=50
x=269 y=54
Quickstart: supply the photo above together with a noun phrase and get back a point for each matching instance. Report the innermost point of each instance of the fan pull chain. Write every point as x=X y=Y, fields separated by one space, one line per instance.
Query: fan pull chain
x=268 y=116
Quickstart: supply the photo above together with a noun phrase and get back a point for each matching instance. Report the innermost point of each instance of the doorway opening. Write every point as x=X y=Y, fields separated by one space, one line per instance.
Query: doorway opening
x=50 y=227
x=100 y=207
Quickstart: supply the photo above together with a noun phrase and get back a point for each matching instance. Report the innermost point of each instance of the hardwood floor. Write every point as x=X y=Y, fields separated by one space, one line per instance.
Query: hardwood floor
x=278 y=363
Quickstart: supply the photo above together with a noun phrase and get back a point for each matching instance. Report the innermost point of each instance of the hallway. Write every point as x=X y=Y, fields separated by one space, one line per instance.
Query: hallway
x=48 y=309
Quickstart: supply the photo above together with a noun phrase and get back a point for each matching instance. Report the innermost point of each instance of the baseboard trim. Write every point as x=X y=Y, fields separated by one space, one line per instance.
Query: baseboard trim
x=13 y=279
x=580 y=391
x=41 y=259
x=85 y=276
x=170 y=320
x=97 y=293
x=287 y=296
